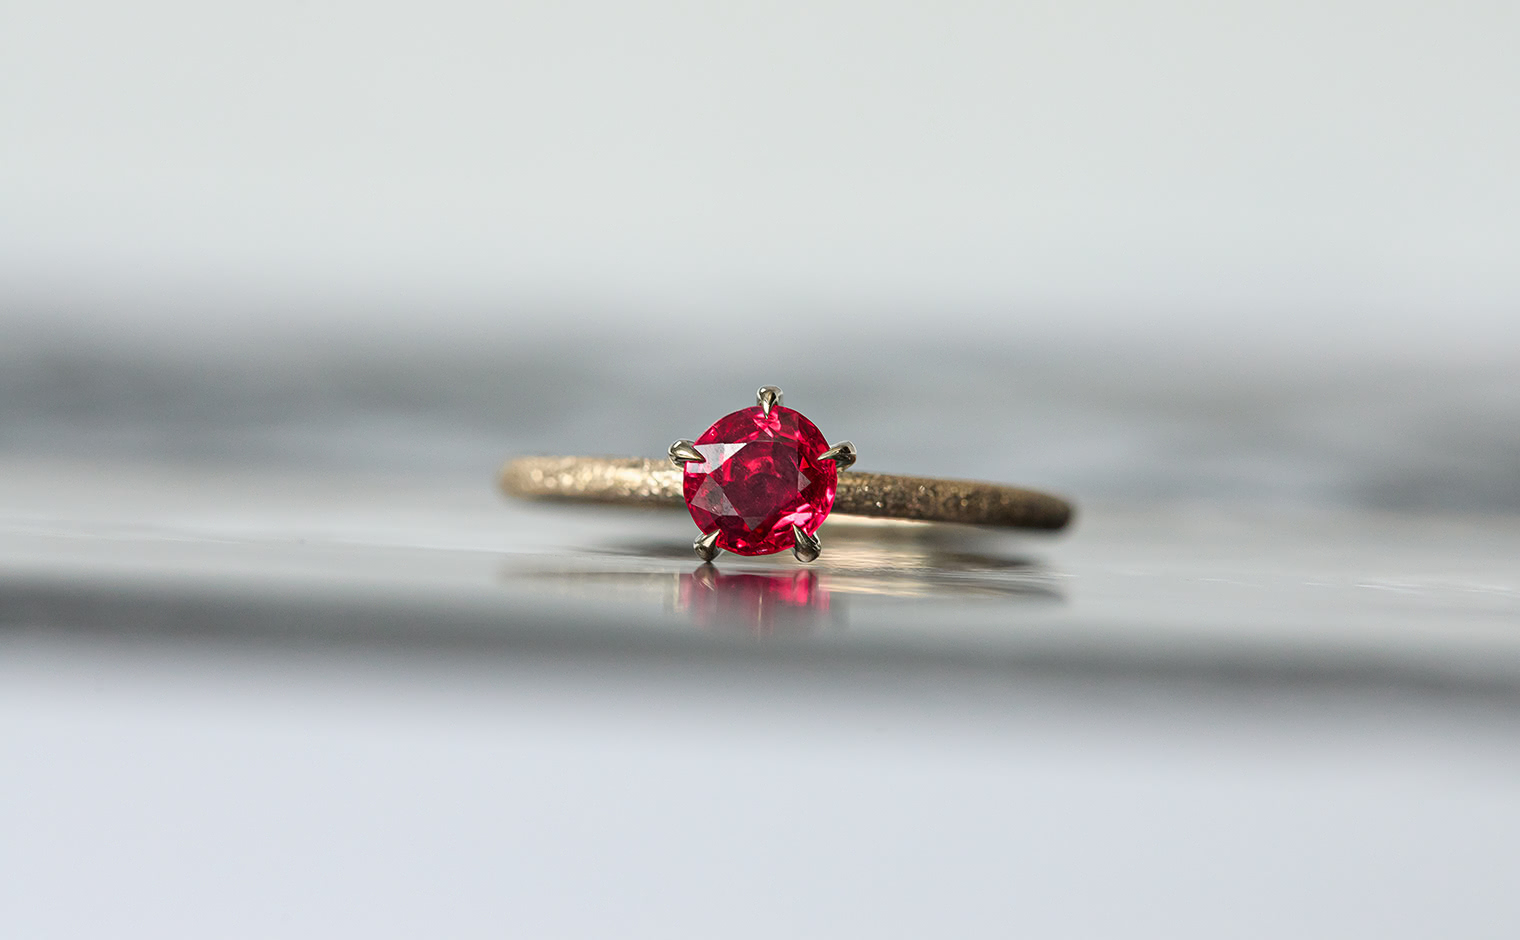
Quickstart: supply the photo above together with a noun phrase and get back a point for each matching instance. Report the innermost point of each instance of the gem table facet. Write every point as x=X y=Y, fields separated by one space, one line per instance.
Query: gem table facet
x=760 y=475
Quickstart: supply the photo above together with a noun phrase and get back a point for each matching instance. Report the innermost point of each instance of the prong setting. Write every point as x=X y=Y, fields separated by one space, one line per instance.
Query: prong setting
x=843 y=454
x=807 y=546
x=706 y=545
x=767 y=397
x=684 y=452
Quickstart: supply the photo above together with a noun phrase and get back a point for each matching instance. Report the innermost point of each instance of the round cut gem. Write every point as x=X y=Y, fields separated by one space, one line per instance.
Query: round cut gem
x=759 y=477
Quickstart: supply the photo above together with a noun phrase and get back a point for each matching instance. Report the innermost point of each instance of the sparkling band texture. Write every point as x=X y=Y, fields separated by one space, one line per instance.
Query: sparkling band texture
x=635 y=481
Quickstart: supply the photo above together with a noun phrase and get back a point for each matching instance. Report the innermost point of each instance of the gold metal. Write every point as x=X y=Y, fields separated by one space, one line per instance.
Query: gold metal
x=639 y=482
x=685 y=452
x=805 y=547
x=706 y=546
x=843 y=454
x=767 y=397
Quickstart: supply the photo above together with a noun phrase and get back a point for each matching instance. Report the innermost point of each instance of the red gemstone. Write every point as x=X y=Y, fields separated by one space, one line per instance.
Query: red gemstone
x=761 y=476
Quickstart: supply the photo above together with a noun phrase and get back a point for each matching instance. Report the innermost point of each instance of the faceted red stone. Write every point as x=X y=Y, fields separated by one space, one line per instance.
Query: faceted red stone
x=762 y=476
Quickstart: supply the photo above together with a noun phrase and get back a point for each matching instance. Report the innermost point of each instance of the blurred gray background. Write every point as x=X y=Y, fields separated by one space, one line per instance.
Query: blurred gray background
x=1331 y=173
x=282 y=283
x=1261 y=251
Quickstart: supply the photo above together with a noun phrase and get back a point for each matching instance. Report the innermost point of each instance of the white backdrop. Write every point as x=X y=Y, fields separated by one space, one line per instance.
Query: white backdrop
x=1341 y=169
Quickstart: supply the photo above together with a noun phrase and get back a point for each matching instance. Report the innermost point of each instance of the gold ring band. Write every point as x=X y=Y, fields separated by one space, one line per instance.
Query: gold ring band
x=640 y=482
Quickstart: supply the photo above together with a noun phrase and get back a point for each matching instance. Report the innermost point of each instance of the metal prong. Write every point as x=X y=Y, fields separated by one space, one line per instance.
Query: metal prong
x=684 y=452
x=705 y=546
x=768 y=397
x=806 y=547
x=843 y=455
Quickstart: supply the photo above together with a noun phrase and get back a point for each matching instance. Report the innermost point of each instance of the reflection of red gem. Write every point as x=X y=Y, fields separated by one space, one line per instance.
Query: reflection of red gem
x=763 y=603
x=761 y=475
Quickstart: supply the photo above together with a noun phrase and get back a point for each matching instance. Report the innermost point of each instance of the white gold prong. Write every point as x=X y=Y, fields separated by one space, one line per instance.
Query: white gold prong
x=843 y=454
x=806 y=547
x=768 y=397
x=684 y=452
x=706 y=546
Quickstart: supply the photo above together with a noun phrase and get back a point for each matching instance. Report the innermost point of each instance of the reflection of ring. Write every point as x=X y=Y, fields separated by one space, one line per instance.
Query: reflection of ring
x=762 y=480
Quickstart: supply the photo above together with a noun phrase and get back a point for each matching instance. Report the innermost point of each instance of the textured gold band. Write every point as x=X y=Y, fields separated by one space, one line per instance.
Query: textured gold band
x=635 y=481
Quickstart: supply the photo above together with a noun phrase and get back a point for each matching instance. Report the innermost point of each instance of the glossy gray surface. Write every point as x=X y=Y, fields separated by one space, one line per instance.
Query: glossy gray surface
x=1328 y=596
x=259 y=603
x=396 y=704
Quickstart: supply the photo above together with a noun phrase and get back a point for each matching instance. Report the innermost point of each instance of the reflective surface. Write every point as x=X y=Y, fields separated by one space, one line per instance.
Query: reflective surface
x=469 y=708
x=1274 y=667
x=1416 y=601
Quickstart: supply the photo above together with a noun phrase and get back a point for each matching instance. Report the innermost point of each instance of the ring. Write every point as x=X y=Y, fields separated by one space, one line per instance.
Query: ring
x=763 y=479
